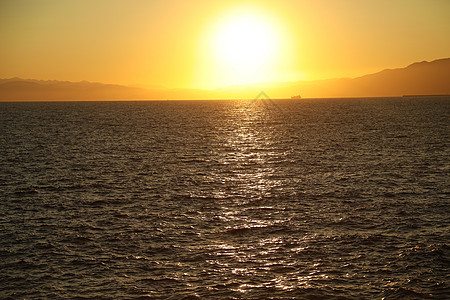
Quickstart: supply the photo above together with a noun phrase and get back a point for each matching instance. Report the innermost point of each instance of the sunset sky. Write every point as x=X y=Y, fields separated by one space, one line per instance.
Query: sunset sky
x=212 y=43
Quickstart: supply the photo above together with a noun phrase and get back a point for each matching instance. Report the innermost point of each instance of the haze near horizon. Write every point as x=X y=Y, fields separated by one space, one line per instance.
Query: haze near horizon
x=212 y=44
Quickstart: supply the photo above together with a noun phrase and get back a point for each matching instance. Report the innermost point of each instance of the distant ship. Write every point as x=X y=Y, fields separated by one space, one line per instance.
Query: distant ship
x=296 y=97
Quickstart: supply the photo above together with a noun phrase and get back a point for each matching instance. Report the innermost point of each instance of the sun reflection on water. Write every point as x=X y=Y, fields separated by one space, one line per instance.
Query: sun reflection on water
x=249 y=147
x=247 y=182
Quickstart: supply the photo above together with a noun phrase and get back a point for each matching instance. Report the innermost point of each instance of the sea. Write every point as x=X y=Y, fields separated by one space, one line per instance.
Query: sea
x=232 y=199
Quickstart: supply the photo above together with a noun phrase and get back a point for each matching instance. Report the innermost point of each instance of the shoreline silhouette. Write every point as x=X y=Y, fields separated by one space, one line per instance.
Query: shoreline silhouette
x=417 y=79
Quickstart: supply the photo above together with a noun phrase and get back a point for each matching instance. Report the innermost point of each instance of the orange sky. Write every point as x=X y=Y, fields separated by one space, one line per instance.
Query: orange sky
x=215 y=43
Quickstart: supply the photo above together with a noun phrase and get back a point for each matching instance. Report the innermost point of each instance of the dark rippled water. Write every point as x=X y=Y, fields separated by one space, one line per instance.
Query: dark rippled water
x=307 y=199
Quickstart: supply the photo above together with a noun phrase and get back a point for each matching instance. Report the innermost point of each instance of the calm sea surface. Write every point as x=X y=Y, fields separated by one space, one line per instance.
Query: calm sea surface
x=301 y=199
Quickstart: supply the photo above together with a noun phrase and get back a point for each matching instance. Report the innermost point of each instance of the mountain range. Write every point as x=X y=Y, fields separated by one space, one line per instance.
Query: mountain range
x=420 y=78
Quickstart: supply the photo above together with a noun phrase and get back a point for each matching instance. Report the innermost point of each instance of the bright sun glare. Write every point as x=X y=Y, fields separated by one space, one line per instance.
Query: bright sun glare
x=244 y=47
x=245 y=41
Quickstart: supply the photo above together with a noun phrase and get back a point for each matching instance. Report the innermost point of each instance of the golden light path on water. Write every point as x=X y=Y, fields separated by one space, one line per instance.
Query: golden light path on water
x=251 y=143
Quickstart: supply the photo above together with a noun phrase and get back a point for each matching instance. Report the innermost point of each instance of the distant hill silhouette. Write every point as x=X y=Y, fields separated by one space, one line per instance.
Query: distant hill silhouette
x=23 y=89
x=421 y=78
x=16 y=89
x=417 y=78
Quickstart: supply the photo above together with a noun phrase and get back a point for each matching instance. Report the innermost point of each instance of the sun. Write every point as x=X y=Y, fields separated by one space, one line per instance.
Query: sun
x=243 y=47
x=245 y=41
